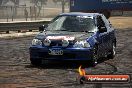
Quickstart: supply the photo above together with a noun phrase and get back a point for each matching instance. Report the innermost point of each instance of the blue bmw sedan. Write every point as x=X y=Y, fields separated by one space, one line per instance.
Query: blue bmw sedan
x=74 y=36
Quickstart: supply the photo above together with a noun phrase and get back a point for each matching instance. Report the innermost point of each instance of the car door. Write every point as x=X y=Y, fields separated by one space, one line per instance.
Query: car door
x=103 y=38
x=110 y=33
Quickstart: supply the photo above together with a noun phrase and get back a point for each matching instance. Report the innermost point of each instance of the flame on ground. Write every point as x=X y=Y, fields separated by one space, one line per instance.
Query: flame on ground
x=81 y=71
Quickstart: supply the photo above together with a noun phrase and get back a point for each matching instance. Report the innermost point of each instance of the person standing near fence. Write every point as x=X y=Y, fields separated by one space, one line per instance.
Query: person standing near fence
x=26 y=14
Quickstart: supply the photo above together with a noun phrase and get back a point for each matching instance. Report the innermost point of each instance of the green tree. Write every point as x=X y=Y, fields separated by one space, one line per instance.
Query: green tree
x=1 y=2
x=39 y=4
x=63 y=3
x=16 y=2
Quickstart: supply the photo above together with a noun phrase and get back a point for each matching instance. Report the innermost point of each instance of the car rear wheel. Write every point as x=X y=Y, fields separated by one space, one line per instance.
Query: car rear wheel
x=112 y=52
x=36 y=62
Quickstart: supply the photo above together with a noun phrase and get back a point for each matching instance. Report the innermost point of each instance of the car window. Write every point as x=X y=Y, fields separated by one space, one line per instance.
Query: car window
x=107 y=23
x=100 y=22
x=72 y=23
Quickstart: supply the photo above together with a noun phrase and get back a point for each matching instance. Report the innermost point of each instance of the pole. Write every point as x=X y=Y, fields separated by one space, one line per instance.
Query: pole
x=63 y=6
x=35 y=9
x=7 y=13
x=43 y=10
x=12 y=12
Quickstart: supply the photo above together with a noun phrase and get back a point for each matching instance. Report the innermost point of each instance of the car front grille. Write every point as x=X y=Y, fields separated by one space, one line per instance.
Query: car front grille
x=56 y=43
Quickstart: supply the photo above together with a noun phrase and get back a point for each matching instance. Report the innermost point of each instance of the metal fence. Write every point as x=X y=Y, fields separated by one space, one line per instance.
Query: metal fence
x=32 y=11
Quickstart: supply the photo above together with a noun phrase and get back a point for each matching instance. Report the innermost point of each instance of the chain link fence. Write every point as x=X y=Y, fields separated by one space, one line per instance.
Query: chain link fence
x=30 y=10
x=33 y=10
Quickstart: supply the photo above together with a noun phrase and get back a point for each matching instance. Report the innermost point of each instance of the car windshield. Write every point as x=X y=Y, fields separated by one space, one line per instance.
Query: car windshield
x=72 y=23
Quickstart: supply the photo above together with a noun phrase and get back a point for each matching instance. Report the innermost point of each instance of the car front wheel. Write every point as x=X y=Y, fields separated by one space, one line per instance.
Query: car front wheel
x=112 y=52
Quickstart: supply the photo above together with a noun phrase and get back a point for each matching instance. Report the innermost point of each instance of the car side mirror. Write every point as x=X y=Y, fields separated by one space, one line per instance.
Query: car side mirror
x=110 y=25
x=42 y=28
x=102 y=29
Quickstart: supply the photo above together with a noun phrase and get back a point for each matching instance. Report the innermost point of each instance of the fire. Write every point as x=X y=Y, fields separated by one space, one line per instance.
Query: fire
x=81 y=71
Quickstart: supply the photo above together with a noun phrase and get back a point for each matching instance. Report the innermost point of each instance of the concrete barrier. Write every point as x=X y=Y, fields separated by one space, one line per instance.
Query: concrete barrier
x=18 y=26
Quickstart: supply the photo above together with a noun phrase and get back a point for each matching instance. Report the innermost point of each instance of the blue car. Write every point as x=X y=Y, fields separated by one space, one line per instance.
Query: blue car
x=74 y=36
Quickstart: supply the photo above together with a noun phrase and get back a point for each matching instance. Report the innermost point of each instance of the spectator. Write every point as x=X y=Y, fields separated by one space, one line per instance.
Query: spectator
x=26 y=14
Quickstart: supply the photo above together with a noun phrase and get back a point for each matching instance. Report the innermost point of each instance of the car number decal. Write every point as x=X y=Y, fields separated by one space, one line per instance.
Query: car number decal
x=55 y=52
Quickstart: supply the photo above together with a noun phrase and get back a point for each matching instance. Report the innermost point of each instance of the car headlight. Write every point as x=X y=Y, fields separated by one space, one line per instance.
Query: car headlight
x=36 y=42
x=47 y=42
x=65 y=43
x=81 y=44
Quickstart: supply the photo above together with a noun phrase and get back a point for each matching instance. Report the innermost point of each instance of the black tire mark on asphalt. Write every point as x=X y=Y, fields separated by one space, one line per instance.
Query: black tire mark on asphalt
x=113 y=66
x=112 y=72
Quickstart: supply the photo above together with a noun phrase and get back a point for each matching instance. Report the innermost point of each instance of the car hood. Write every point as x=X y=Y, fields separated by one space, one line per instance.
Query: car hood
x=60 y=35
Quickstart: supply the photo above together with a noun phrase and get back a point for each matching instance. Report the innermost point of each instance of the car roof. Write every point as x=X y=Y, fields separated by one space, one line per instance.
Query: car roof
x=80 y=14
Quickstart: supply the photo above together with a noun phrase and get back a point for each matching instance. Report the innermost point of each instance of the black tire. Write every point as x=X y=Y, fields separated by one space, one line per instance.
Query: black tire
x=112 y=52
x=36 y=62
x=94 y=61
